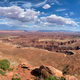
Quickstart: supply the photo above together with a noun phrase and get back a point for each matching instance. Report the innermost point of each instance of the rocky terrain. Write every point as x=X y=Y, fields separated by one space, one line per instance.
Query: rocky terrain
x=57 y=53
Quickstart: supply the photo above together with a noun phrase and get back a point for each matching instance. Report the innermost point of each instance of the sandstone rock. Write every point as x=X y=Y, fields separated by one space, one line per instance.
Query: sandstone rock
x=68 y=77
x=57 y=72
x=24 y=65
x=9 y=74
x=47 y=71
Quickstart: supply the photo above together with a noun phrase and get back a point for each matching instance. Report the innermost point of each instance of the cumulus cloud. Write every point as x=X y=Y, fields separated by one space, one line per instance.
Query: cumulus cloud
x=58 y=20
x=35 y=26
x=37 y=22
x=58 y=10
x=46 y=6
x=24 y=25
x=17 y=13
x=14 y=24
x=49 y=24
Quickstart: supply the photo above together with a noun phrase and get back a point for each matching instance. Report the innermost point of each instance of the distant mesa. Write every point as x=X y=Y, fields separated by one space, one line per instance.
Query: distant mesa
x=10 y=31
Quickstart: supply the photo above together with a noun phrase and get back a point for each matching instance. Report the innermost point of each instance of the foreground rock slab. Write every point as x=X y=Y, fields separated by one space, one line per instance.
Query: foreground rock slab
x=47 y=71
x=68 y=77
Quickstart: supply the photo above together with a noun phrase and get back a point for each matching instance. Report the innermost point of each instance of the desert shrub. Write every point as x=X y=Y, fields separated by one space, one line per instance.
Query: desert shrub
x=2 y=78
x=2 y=73
x=62 y=78
x=16 y=78
x=51 y=78
x=10 y=69
x=4 y=64
x=16 y=68
x=54 y=78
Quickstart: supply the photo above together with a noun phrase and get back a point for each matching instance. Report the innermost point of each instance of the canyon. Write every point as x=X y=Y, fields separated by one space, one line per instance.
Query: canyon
x=59 y=50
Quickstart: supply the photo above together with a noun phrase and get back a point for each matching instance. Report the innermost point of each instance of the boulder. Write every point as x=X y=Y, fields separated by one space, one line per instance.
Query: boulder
x=68 y=77
x=47 y=71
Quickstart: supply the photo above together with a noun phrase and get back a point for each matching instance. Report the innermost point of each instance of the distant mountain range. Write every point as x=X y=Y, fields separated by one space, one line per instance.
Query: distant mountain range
x=36 y=31
x=54 y=31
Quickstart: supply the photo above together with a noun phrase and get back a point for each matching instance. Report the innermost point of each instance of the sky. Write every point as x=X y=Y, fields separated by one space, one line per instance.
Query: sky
x=40 y=15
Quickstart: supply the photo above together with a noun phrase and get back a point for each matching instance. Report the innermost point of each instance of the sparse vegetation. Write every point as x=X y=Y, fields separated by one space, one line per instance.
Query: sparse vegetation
x=16 y=68
x=2 y=78
x=2 y=73
x=54 y=78
x=16 y=78
x=10 y=69
x=15 y=75
x=4 y=64
x=51 y=78
x=62 y=78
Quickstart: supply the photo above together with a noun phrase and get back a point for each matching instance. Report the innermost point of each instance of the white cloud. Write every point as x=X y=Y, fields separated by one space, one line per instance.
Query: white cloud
x=57 y=2
x=5 y=0
x=37 y=22
x=3 y=23
x=78 y=22
x=17 y=13
x=49 y=24
x=40 y=4
x=42 y=12
x=71 y=13
x=58 y=20
x=24 y=25
x=52 y=3
x=35 y=26
x=46 y=6
x=14 y=23
x=1 y=2
x=66 y=14
x=58 y=10
x=27 y=5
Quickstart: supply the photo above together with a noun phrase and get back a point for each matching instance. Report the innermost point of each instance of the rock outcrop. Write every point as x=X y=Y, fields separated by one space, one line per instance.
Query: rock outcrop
x=68 y=77
x=47 y=71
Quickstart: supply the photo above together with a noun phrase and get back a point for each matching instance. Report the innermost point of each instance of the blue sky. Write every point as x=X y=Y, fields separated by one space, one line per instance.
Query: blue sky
x=40 y=15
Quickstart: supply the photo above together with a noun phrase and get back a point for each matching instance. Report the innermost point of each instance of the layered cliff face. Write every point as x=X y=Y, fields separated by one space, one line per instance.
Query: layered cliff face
x=55 y=43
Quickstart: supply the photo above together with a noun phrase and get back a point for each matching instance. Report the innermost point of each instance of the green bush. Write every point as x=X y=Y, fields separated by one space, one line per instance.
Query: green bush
x=16 y=78
x=62 y=78
x=54 y=78
x=10 y=69
x=4 y=64
x=51 y=78
x=2 y=73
